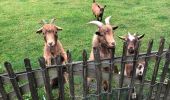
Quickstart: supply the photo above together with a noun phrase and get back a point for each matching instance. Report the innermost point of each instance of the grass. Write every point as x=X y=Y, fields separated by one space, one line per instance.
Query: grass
x=19 y=21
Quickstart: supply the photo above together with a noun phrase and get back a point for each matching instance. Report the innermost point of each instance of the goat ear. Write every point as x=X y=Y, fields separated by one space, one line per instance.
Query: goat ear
x=98 y=6
x=104 y=6
x=114 y=27
x=141 y=36
x=122 y=37
x=39 y=30
x=59 y=28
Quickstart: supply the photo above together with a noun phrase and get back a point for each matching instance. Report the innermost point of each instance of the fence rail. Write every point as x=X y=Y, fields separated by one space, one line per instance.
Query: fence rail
x=158 y=89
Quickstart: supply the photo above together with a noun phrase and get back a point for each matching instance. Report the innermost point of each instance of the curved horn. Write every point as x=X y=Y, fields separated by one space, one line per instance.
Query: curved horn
x=99 y=24
x=43 y=21
x=141 y=36
x=107 y=20
x=52 y=21
x=129 y=34
x=122 y=37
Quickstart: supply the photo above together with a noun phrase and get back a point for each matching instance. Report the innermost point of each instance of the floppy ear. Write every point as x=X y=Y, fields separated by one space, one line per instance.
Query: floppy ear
x=104 y=6
x=114 y=27
x=122 y=37
x=98 y=6
x=141 y=36
x=59 y=28
x=39 y=30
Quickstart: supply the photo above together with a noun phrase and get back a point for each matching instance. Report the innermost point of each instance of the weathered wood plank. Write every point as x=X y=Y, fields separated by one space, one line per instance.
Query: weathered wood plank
x=98 y=71
x=85 y=70
x=156 y=67
x=105 y=62
x=135 y=60
x=150 y=45
x=111 y=74
x=31 y=80
x=71 y=77
x=13 y=80
x=2 y=91
x=163 y=75
x=46 y=78
x=60 y=77
x=122 y=68
x=167 y=91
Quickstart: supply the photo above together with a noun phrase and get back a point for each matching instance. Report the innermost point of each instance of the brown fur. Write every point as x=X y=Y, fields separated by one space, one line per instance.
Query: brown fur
x=98 y=10
x=53 y=48
x=104 y=41
x=131 y=48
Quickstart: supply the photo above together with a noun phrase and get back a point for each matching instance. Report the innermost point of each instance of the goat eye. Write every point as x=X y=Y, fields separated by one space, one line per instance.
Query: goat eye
x=98 y=33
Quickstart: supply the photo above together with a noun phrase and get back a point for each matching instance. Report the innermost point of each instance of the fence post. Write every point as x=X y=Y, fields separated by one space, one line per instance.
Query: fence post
x=71 y=76
x=85 y=87
x=167 y=90
x=98 y=71
x=111 y=74
x=163 y=75
x=13 y=80
x=135 y=60
x=46 y=78
x=156 y=67
x=2 y=91
x=122 y=68
x=150 y=44
x=60 y=77
x=31 y=79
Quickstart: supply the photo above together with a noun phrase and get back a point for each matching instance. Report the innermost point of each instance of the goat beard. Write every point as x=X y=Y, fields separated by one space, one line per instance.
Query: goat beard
x=105 y=45
x=52 y=49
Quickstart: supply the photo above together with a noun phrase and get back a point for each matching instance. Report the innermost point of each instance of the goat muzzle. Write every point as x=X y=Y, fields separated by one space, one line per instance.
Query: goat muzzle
x=131 y=50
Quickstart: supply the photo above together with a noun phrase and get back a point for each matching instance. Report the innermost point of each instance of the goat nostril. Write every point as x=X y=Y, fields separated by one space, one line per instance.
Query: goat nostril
x=113 y=43
x=140 y=72
x=50 y=44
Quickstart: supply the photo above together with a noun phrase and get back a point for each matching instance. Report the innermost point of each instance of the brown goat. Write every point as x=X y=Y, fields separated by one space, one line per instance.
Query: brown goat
x=131 y=48
x=104 y=40
x=98 y=10
x=53 y=47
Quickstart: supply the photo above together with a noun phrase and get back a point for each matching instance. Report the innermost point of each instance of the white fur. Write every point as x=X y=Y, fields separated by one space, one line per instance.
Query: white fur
x=131 y=37
x=140 y=70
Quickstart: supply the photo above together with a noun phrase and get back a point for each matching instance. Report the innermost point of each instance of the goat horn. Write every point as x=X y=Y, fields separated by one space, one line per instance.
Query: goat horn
x=99 y=24
x=52 y=21
x=43 y=21
x=141 y=36
x=107 y=20
x=129 y=34
x=122 y=37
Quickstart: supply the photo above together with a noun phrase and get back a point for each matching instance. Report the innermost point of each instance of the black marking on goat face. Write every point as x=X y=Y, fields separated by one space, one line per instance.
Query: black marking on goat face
x=131 y=45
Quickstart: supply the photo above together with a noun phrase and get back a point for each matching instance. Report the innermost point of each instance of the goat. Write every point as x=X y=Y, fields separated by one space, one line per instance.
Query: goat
x=98 y=10
x=103 y=39
x=52 y=47
x=131 y=47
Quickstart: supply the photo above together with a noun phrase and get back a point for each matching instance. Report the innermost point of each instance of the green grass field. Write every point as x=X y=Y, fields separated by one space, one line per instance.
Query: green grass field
x=19 y=21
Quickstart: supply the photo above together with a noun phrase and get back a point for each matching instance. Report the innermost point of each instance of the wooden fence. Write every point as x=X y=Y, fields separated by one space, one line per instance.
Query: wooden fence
x=157 y=88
